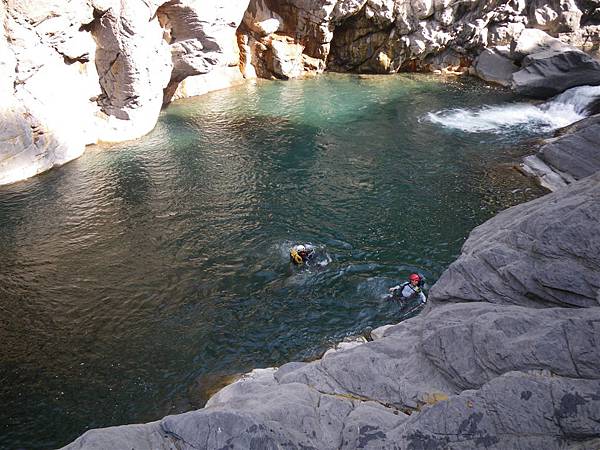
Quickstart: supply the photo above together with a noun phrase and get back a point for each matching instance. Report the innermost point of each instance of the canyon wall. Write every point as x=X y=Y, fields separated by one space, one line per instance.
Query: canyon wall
x=87 y=71
x=505 y=356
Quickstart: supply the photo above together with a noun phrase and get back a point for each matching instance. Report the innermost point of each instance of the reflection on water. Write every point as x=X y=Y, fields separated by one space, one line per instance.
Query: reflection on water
x=135 y=277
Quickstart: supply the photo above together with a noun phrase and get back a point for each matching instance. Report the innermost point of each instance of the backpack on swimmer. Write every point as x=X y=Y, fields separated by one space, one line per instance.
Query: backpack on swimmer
x=300 y=253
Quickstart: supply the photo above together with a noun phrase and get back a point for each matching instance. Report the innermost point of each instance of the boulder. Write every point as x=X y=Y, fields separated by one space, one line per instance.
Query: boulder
x=494 y=68
x=532 y=40
x=570 y=156
x=576 y=152
x=538 y=254
x=551 y=72
x=286 y=56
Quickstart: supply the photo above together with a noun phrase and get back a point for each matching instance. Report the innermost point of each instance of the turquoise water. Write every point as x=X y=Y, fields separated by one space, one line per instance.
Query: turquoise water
x=135 y=278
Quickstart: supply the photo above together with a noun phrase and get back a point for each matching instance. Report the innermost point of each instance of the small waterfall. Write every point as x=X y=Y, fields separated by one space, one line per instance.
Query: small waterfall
x=562 y=110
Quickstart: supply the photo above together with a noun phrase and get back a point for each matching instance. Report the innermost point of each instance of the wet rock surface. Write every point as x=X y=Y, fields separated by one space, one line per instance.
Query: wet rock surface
x=572 y=155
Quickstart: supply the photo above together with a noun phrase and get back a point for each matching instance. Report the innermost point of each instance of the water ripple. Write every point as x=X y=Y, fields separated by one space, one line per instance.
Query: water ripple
x=134 y=273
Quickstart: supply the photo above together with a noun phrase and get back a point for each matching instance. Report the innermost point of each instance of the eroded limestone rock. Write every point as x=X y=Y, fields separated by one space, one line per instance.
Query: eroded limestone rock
x=134 y=67
x=117 y=62
x=202 y=38
x=555 y=16
x=96 y=70
x=48 y=75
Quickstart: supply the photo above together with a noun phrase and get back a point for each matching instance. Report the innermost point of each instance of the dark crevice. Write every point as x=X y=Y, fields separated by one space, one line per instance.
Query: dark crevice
x=349 y=35
x=97 y=14
x=80 y=59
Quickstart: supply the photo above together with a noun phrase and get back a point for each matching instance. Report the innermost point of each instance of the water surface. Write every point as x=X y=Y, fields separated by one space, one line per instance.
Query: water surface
x=134 y=278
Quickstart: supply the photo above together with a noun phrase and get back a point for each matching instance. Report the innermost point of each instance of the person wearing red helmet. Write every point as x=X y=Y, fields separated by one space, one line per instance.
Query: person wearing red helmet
x=410 y=290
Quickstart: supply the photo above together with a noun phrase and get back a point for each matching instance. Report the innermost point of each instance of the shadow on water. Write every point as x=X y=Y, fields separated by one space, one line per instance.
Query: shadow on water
x=134 y=278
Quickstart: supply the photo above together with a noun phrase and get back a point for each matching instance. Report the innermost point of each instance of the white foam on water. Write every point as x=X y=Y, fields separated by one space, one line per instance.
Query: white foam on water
x=560 y=111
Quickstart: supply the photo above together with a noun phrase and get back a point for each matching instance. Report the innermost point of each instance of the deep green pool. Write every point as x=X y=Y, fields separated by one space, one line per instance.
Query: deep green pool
x=136 y=277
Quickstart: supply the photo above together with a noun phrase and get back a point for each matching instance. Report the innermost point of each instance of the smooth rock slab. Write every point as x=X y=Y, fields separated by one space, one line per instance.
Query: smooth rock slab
x=494 y=68
x=458 y=347
x=474 y=343
x=542 y=253
x=505 y=413
x=489 y=376
x=551 y=72
x=577 y=151
x=571 y=156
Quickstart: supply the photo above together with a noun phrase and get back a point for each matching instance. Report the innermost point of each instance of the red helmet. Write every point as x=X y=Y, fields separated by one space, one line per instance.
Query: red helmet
x=414 y=277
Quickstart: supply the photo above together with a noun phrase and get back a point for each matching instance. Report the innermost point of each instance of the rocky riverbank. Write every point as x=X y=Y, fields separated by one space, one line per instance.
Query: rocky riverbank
x=100 y=70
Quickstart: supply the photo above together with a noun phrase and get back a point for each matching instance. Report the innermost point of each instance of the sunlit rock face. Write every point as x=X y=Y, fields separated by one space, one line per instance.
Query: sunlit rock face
x=133 y=66
x=49 y=83
x=202 y=39
x=274 y=47
x=79 y=72
x=386 y=36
